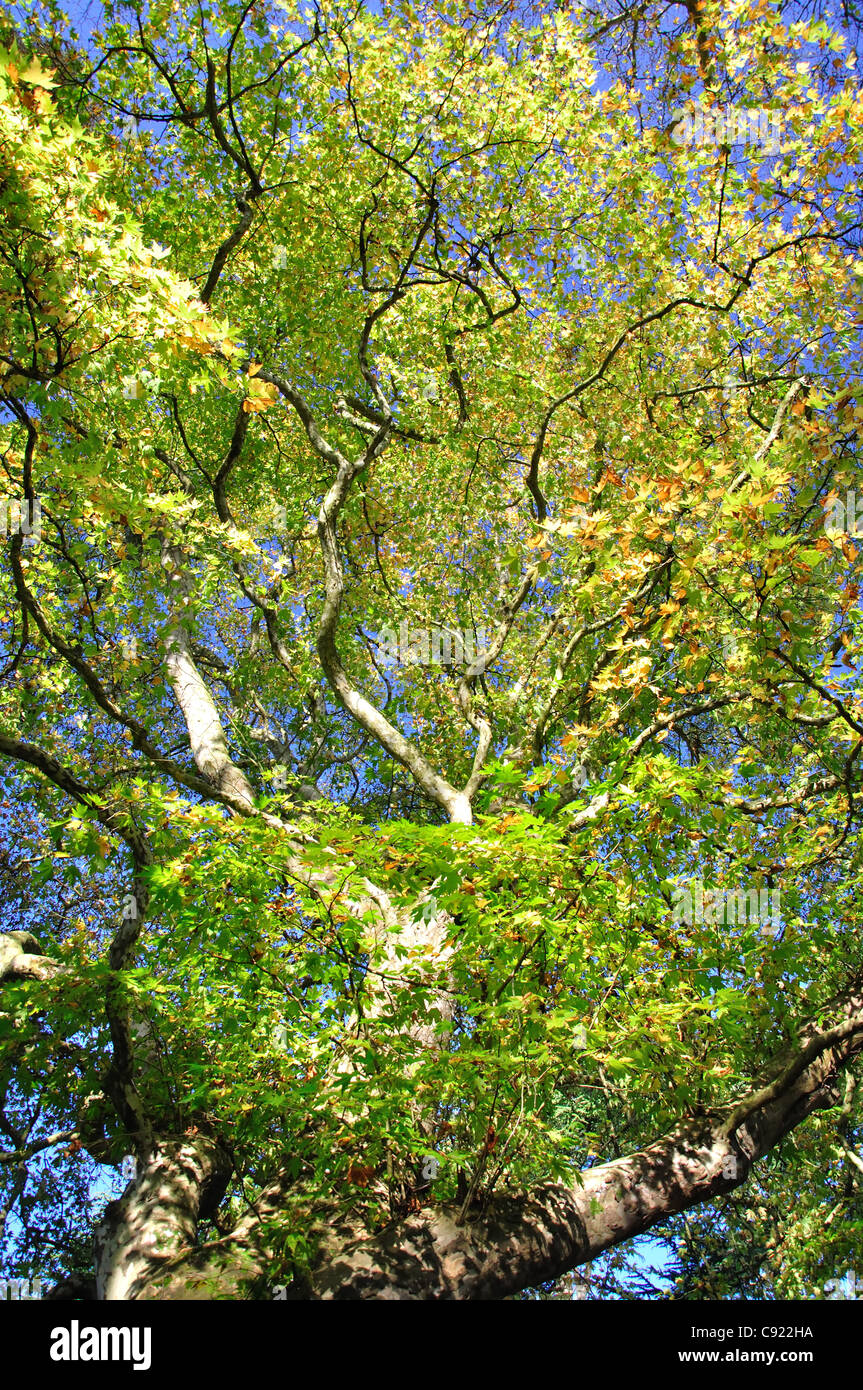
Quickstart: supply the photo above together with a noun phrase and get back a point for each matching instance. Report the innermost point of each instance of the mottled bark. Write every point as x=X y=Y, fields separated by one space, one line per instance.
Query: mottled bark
x=206 y=735
x=21 y=958
x=518 y=1240
x=156 y=1218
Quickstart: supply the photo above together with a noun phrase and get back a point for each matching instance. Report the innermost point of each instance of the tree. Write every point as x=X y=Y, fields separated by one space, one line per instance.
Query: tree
x=430 y=697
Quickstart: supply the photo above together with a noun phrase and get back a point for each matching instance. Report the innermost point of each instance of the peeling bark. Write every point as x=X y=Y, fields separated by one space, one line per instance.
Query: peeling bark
x=520 y=1241
x=21 y=958
x=203 y=722
x=156 y=1218
x=517 y=1240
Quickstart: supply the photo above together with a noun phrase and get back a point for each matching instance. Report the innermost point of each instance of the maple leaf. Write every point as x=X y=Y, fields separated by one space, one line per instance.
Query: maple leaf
x=38 y=76
x=260 y=395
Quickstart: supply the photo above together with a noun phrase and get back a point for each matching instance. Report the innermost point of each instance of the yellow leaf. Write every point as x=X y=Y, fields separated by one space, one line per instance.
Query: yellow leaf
x=38 y=76
x=262 y=394
x=263 y=390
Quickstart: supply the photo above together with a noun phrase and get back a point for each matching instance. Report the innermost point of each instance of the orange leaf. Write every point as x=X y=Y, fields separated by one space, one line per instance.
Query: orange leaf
x=360 y=1174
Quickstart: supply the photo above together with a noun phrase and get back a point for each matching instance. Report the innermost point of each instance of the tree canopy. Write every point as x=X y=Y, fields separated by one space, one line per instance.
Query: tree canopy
x=430 y=635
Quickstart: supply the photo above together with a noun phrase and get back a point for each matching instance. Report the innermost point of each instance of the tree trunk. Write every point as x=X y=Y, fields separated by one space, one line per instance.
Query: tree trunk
x=519 y=1240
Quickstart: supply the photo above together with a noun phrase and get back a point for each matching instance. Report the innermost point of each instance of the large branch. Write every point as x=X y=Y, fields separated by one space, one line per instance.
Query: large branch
x=158 y=1214
x=21 y=958
x=437 y=788
x=519 y=1241
x=247 y=212
x=203 y=722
